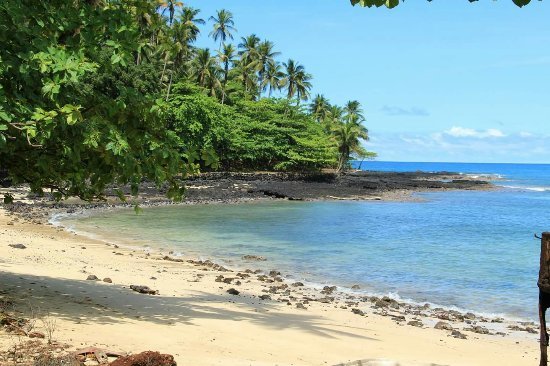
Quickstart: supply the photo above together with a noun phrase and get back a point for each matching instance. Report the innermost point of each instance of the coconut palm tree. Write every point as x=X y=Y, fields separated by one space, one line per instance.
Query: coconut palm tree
x=274 y=77
x=226 y=57
x=170 y=6
x=319 y=108
x=202 y=66
x=266 y=55
x=214 y=81
x=348 y=136
x=354 y=112
x=297 y=81
x=223 y=26
x=248 y=50
x=246 y=75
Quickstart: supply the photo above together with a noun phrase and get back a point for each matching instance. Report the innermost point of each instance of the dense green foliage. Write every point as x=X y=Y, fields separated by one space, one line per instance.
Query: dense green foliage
x=101 y=92
x=393 y=3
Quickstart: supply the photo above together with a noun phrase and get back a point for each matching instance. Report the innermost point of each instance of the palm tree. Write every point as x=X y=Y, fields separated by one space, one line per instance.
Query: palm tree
x=320 y=108
x=171 y=6
x=202 y=67
x=213 y=81
x=246 y=75
x=354 y=112
x=273 y=79
x=266 y=55
x=297 y=81
x=223 y=26
x=348 y=136
x=226 y=56
x=177 y=45
x=249 y=50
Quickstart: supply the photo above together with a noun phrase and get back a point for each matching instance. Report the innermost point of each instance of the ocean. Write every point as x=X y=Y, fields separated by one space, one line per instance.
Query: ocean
x=466 y=250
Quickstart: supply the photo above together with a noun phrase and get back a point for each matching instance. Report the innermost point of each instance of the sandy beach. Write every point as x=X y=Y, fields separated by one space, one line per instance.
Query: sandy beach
x=194 y=318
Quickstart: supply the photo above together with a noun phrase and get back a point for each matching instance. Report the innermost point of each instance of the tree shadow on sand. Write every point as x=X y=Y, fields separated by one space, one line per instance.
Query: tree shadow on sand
x=91 y=301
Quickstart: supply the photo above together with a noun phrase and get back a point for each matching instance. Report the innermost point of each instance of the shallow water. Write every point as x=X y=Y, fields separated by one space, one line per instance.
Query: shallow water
x=466 y=249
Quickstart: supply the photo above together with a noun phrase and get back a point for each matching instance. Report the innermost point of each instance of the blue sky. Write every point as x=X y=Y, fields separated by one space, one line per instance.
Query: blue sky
x=440 y=81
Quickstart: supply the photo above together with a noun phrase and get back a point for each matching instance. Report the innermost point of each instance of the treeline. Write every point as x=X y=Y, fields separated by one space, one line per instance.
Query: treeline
x=95 y=92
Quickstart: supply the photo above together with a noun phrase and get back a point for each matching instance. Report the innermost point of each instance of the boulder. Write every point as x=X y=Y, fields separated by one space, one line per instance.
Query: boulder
x=92 y=278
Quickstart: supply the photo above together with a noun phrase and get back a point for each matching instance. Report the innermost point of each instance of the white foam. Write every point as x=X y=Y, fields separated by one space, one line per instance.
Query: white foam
x=529 y=188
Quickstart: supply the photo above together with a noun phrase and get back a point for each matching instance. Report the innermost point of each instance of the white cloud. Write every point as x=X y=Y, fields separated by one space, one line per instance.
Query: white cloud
x=525 y=134
x=457 y=131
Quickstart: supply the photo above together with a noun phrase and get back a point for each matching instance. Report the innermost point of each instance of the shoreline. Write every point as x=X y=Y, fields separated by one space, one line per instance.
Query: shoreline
x=194 y=307
x=238 y=264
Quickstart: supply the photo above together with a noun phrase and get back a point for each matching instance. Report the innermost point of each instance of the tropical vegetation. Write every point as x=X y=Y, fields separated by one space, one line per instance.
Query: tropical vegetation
x=96 y=93
x=393 y=3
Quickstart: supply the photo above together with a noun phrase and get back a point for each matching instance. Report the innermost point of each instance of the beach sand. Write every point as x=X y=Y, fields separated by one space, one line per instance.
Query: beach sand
x=197 y=321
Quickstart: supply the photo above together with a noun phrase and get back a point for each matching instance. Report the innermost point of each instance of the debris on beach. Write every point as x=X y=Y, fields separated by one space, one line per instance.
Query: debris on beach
x=144 y=290
x=92 y=278
x=107 y=280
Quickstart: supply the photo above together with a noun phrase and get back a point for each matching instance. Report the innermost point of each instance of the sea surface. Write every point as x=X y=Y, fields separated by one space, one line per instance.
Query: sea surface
x=467 y=250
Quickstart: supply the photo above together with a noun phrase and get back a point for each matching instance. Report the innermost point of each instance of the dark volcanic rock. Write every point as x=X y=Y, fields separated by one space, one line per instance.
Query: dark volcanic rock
x=457 y=334
x=144 y=290
x=478 y=329
x=328 y=290
x=232 y=291
x=358 y=312
x=18 y=246
x=416 y=323
x=92 y=278
x=254 y=258
x=148 y=358
x=443 y=326
x=107 y=280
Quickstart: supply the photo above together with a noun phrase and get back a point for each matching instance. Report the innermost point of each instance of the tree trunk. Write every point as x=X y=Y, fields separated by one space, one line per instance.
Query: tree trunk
x=544 y=294
x=169 y=86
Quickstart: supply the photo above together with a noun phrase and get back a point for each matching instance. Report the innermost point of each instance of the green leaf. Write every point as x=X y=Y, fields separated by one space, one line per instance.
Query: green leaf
x=3 y=128
x=3 y=142
x=8 y=199
x=4 y=116
x=120 y=195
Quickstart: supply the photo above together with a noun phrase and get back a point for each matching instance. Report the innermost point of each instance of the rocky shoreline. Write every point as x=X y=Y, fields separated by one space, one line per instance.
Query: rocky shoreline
x=267 y=289
x=227 y=187
x=242 y=187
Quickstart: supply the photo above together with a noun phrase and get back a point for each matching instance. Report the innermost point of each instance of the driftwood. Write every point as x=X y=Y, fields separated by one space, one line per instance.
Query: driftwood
x=101 y=355
x=544 y=295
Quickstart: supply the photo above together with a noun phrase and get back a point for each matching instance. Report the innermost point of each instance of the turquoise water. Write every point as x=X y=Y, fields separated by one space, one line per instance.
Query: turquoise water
x=465 y=249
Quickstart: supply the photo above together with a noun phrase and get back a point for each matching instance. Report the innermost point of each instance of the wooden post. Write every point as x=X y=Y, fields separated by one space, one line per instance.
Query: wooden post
x=544 y=294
